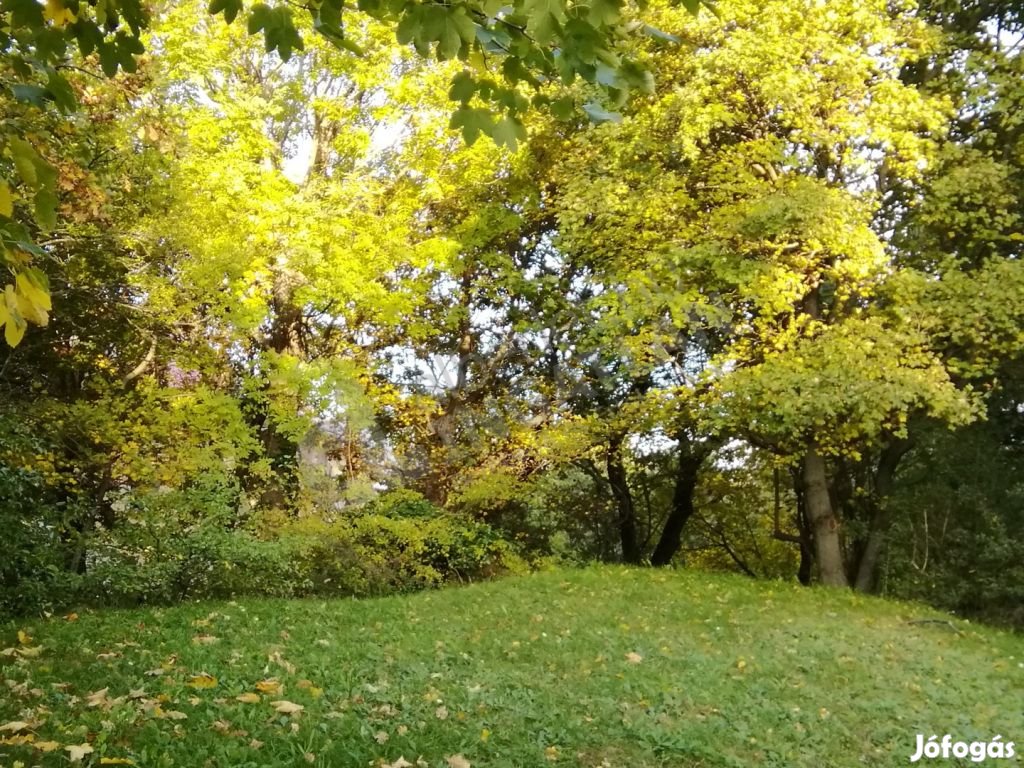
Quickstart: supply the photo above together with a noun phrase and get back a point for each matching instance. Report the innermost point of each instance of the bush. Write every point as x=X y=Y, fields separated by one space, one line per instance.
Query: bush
x=376 y=555
x=401 y=503
x=145 y=561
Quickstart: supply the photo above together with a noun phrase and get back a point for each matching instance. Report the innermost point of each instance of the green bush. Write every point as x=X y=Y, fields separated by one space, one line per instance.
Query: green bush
x=152 y=558
x=402 y=503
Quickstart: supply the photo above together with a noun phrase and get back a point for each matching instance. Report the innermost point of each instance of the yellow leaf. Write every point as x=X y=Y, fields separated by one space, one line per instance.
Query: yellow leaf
x=203 y=681
x=78 y=751
x=485 y=734
x=14 y=331
x=58 y=14
x=458 y=761
x=271 y=686
x=287 y=707
x=36 y=294
x=14 y=727
x=23 y=636
x=634 y=657
x=116 y=761
x=6 y=199
x=47 y=746
x=248 y=698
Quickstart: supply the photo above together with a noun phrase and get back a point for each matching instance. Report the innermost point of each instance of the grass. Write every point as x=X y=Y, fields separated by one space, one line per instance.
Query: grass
x=594 y=668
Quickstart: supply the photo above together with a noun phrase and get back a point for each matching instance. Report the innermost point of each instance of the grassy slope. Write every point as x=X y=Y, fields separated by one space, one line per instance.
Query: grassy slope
x=526 y=672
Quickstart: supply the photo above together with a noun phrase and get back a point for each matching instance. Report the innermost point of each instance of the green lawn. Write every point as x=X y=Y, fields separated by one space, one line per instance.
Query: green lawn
x=601 y=667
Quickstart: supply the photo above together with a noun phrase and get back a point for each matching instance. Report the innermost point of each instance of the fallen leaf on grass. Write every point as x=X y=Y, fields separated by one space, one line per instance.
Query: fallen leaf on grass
x=24 y=638
x=47 y=746
x=116 y=761
x=204 y=680
x=457 y=761
x=18 y=740
x=76 y=752
x=270 y=686
x=248 y=698
x=381 y=737
x=204 y=640
x=634 y=658
x=441 y=713
x=401 y=762
x=287 y=707
x=14 y=726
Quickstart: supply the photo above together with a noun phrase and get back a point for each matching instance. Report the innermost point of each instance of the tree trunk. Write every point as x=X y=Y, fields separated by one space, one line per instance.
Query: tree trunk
x=682 y=503
x=623 y=501
x=824 y=525
x=867 y=567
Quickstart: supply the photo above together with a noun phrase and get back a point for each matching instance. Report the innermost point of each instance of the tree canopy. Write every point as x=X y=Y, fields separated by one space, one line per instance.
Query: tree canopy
x=738 y=287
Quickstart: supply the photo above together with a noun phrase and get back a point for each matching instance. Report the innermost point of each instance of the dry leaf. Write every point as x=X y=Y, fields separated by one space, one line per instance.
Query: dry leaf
x=204 y=640
x=47 y=746
x=634 y=658
x=310 y=757
x=203 y=680
x=78 y=751
x=116 y=761
x=270 y=686
x=287 y=707
x=255 y=744
x=381 y=737
x=441 y=713
x=97 y=698
x=14 y=727
x=173 y=714
x=248 y=698
x=457 y=761
x=401 y=762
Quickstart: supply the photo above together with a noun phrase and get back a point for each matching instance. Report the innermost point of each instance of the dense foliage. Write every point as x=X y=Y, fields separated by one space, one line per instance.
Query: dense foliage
x=296 y=331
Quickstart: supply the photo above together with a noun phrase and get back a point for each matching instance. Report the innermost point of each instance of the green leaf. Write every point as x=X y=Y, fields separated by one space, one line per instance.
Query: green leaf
x=29 y=94
x=473 y=122
x=60 y=91
x=599 y=114
x=463 y=87
x=604 y=12
x=658 y=34
x=24 y=13
x=458 y=28
x=25 y=158
x=259 y=15
x=543 y=18
x=46 y=207
x=6 y=199
x=508 y=132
